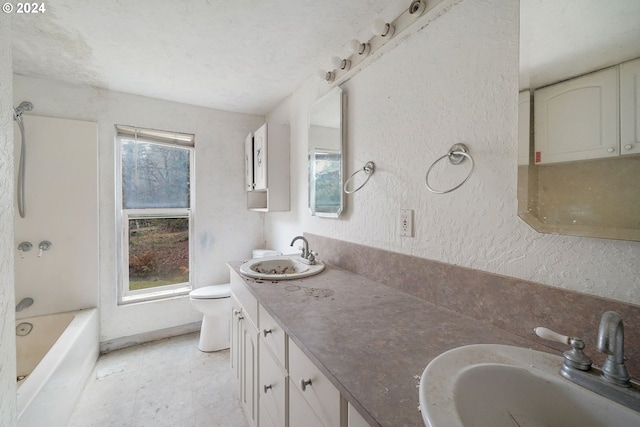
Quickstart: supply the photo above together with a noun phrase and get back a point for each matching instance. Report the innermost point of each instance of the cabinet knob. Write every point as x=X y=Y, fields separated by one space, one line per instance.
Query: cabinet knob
x=628 y=147
x=267 y=388
x=266 y=332
x=304 y=383
x=610 y=150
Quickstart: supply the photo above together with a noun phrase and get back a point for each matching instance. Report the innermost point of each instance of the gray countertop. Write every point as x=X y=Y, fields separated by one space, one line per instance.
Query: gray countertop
x=371 y=341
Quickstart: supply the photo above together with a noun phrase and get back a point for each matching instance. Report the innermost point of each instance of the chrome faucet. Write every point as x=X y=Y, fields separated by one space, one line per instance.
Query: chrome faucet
x=613 y=380
x=24 y=303
x=611 y=343
x=307 y=256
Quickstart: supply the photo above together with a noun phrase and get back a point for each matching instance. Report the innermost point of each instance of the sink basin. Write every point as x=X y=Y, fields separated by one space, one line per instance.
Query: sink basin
x=280 y=268
x=499 y=385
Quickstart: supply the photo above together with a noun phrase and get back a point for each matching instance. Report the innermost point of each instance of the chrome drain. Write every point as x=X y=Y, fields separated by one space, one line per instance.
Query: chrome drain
x=23 y=329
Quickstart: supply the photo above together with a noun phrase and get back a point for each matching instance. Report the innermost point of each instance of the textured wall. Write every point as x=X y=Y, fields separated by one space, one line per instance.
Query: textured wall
x=220 y=198
x=456 y=80
x=7 y=300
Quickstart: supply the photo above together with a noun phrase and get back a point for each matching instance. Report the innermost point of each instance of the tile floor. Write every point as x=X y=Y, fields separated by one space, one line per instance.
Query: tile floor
x=163 y=383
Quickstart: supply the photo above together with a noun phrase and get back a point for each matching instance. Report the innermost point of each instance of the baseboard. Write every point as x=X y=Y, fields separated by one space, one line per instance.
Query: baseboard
x=124 y=342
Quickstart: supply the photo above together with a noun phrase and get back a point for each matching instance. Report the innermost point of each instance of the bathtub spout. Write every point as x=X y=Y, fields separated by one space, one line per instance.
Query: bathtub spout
x=24 y=303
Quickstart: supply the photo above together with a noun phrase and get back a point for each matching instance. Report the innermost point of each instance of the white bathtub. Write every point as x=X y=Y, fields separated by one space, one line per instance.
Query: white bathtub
x=58 y=356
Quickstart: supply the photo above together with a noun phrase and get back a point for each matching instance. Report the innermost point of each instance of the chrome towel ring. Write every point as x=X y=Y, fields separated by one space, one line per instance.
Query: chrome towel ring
x=369 y=168
x=456 y=154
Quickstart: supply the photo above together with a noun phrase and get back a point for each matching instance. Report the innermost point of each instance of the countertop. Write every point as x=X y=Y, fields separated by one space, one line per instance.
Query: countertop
x=370 y=340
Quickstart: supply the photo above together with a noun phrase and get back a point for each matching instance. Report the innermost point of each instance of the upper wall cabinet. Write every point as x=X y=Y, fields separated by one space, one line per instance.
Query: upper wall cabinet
x=589 y=117
x=630 y=107
x=577 y=119
x=267 y=168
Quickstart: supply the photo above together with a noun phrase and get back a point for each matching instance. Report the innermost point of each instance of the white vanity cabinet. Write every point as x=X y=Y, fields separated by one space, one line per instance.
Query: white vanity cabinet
x=267 y=168
x=313 y=399
x=244 y=346
x=630 y=107
x=577 y=119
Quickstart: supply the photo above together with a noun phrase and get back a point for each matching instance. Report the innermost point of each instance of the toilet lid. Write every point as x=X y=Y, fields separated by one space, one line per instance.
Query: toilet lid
x=211 y=292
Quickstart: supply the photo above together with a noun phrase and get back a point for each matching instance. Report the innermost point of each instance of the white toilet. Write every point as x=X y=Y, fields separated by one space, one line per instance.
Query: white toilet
x=214 y=303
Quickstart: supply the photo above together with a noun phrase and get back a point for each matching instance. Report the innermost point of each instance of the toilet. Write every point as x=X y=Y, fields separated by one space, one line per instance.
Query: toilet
x=214 y=303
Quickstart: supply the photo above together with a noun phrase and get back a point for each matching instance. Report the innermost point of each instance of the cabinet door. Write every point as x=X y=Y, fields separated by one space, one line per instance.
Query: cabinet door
x=630 y=107
x=235 y=334
x=272 y=388
x=577 y=119
x=260 y=158
x=249 y=376
x=248 y=162
x=319 y=393
x=300 y=412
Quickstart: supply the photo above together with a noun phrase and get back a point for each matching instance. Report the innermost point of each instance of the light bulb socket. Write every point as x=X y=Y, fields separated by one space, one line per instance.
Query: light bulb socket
x=341 y=64
x=358 y=48
x=382 y=28
x=327 y=76
x=417 y=8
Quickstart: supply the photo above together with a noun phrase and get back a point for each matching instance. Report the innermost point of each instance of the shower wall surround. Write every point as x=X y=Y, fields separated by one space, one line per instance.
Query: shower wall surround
x=456 y=80
x=61 y=194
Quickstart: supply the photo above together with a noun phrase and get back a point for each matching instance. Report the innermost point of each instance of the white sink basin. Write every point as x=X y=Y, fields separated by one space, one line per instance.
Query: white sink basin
x=498 y=385
x=280 y=268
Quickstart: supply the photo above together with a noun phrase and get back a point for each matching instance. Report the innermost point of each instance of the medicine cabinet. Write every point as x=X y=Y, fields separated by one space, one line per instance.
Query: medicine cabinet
x=266 y=158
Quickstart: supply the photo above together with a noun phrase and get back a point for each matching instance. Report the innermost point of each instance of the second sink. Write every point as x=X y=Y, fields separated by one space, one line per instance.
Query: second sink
x=498 y=385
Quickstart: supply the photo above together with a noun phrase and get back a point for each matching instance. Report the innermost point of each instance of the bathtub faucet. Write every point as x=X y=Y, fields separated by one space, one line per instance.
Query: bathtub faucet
x=24 y=303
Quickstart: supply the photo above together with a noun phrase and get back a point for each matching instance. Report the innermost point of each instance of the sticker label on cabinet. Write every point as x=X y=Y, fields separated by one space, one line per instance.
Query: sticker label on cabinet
x=538 y=156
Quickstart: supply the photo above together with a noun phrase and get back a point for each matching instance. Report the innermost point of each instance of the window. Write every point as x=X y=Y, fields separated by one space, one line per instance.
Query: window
x=154 y=199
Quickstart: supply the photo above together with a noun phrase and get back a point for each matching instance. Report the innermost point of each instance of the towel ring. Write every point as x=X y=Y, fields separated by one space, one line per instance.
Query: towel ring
x=457 y=154
x=369 y=168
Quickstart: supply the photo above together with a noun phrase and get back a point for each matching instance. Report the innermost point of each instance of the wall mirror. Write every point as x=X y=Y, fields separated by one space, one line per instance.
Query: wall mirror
x=326 y=141
x=578 y=160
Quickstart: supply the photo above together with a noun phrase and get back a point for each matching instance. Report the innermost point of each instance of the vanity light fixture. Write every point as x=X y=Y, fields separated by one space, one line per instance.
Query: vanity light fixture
x=417 y=8
x=358 y=48
x=327 y=76
x=341 y=64
x=382 y=28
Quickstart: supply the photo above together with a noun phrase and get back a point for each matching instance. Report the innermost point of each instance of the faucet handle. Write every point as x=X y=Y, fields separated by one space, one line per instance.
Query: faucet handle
x=574 y=358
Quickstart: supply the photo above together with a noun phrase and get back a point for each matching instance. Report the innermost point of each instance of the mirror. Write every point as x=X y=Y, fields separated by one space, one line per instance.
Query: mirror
x=326 y=139
x=563 y=47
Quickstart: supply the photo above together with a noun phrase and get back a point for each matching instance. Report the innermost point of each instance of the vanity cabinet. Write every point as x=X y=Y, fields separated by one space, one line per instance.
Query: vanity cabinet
x=279 y=385
x=630 y=107
x=577 y=119
x=267 y=168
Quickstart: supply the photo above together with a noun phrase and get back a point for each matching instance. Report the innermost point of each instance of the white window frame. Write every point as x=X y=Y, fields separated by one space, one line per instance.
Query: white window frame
x=125 y=295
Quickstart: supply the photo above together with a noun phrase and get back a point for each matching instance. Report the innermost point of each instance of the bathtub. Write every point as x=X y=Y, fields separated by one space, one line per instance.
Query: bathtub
x=56 y=358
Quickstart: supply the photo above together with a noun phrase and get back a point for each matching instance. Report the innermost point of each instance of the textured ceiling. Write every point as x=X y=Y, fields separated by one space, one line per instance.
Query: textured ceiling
x=234 y=55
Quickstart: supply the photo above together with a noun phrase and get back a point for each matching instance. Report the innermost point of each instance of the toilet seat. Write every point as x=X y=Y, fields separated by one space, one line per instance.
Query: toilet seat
x=211 y=292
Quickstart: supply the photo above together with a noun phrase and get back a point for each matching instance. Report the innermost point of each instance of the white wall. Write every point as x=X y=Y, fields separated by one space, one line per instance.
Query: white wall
x=456 y=80
x=7 y=300
x=220 y=197
x=61 y=206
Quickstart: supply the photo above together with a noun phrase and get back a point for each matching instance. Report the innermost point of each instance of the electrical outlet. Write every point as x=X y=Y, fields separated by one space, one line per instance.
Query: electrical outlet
x=406 y=222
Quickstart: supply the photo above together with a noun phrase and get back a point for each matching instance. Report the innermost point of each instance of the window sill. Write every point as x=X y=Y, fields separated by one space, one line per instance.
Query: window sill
x=155 y=295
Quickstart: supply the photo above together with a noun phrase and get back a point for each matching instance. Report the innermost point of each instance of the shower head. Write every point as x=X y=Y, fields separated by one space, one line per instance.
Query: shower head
x=24 y=106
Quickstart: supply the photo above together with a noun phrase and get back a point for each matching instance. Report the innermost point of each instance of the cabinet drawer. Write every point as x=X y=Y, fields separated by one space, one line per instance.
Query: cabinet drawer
x=273 y=336
x=321 y=395
x=272 y=389
x=244 y=297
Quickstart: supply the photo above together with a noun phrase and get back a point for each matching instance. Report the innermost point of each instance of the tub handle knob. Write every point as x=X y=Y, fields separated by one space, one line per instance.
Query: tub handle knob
x=45 y=245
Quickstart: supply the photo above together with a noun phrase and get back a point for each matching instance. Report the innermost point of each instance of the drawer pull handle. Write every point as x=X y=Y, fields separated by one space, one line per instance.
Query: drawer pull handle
x=304 y=383
x=266 y=332
x=267 y=388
